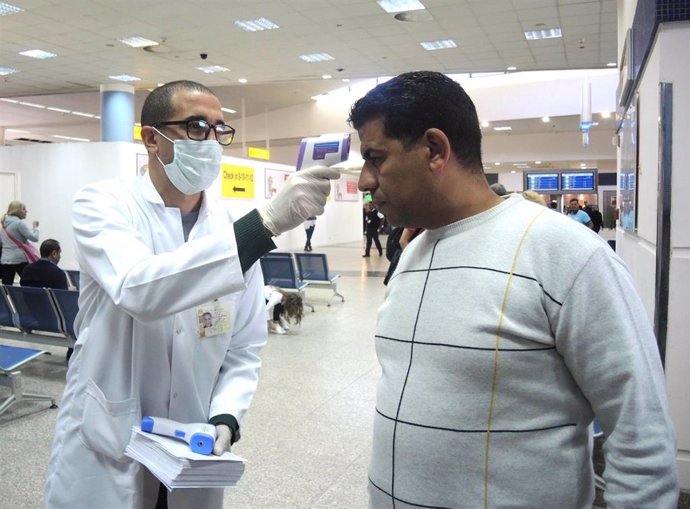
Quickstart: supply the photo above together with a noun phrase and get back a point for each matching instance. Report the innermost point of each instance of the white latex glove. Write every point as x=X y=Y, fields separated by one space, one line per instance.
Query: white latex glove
x=303 y=195
x=223 y=439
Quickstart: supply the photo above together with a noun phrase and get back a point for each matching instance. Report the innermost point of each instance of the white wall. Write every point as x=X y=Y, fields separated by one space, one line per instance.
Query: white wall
x=50 y=174
x=669 y=62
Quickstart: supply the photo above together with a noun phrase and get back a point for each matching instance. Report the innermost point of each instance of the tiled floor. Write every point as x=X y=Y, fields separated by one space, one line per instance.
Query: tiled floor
x=307 y=435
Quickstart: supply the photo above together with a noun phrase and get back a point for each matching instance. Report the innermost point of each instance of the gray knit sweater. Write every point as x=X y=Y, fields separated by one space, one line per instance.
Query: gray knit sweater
x=500 y=338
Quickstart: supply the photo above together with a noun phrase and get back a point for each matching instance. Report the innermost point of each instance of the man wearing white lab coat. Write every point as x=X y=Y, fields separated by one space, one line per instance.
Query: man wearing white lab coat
x=156 y=254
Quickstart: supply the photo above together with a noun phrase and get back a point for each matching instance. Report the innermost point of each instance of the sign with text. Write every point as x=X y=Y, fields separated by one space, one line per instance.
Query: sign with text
x=237 y=181
x=346 y=189
x=273 y=181
x=258 y=153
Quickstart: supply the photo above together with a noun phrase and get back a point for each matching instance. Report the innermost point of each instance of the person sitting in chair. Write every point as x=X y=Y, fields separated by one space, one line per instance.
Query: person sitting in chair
x=45 y=273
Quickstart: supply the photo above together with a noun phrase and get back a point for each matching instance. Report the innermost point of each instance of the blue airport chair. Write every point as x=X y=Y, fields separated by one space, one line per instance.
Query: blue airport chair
x=11 y=359
x=35 y=309
x=280 y=271
x=7 y=314
x=313 y=269
x=67 y=302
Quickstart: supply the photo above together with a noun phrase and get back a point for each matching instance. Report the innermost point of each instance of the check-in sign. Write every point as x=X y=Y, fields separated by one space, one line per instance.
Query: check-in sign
x=238 y=181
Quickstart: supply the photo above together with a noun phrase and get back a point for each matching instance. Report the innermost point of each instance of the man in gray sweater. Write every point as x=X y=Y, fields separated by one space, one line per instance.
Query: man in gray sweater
x=498 y=345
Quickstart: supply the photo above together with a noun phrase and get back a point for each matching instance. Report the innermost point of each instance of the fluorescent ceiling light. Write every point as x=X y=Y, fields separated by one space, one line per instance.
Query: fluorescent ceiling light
x=605 y=114
x=394 y=6
x=545 y=119
x=242 y=80
x=485 y=123
x=228 y=110
x=612 y=64
x=6 y=9
x=59 y=110
x=326 y=76
x=69 y=138
x=546 y=33
x=442 y=44
x=124 y=77
x=497 y=164
x=317 y=57
x=511 y=68
x=4 y=99
x=210 y=69
x=32 y=105
x=82 y=114
x=503 y=128
x=256 y=25
x=137 y=42
x=37 y=53
x=4 y=71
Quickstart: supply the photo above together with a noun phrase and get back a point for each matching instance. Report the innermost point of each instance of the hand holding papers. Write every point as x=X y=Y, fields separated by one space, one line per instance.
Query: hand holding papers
x=176 y=466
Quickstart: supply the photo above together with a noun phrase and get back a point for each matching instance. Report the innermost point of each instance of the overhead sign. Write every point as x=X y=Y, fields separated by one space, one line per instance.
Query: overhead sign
x=137 y=132
x=237 y=181
x=259 y=153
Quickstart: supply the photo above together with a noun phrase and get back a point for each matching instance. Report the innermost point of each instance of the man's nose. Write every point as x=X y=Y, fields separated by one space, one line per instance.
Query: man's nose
x=366 y=182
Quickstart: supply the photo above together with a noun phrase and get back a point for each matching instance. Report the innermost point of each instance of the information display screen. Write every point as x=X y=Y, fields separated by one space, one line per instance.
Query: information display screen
x=580 y=181
x=541 y=181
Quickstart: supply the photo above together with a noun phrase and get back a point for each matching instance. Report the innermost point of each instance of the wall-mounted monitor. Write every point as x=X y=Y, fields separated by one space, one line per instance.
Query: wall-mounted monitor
x=578 y=181
x=541 y=181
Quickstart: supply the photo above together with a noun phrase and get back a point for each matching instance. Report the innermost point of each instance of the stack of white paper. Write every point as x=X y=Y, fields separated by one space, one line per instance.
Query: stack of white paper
x=176 y=466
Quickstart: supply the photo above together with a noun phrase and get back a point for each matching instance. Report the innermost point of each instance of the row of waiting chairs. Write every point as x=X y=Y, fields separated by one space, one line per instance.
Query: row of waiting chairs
x=37 y=315
x=298 y=271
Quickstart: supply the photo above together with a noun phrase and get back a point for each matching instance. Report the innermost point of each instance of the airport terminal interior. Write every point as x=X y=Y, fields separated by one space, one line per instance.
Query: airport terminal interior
x=577 y=99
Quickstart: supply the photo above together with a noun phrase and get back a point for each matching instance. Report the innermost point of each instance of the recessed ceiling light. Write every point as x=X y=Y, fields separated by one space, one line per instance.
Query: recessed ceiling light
x=497 y=164
x=4 y=71
x=612 y=64
x=242 y=80
x=256 y=25
x=124 y=77
x=545 y=119
x=605 y=114
x=546 y=33
x=210 y=69
x=441 y=44
x=512 y=68
x=137 y=42
x=82 y=114
x=59 y=110
x=37 y=53
x=228 y=110
x=513 y=171
x=503 y=128
x=326 y=76
x=537 y=162
x=317 y=57
x=400 y=5
x=485 y=123
x=6 y=9
x=346 y=80
x=33 y=105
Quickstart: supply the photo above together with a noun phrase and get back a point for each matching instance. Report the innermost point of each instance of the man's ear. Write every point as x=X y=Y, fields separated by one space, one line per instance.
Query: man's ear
x=439 y=149
x=148 y=137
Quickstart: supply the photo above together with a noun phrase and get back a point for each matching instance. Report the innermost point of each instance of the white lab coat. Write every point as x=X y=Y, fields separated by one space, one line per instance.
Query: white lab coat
x=139 y=351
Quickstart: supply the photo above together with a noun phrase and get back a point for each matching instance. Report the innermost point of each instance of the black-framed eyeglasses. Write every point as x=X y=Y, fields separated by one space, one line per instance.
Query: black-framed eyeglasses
x=198 y=130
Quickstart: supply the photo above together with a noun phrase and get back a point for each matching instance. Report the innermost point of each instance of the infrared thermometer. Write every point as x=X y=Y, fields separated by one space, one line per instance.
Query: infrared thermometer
x=198 y=435
x=324 y=150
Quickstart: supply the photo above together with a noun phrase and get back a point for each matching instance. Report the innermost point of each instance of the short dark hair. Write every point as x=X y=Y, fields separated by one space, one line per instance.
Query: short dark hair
x=158 y=104
x=414 y=102
x=48 y=246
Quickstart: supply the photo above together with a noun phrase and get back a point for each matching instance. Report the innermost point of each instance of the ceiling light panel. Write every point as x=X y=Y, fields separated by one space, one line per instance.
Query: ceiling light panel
x=547 y=33
x=442 y=44
x=137 y=42
x=38 y=53
x=4 y=71
x=210 y=69
x=256 y=25
x=317 y=57
x=503 y=128
x=124 y=77
x=7 y=9
x=394 y=6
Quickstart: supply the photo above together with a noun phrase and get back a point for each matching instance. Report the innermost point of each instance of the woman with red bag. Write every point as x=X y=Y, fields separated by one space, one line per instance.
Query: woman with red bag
x=13 y=233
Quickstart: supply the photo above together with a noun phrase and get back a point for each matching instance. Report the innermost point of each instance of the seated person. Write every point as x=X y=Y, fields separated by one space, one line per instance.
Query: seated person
x=281 y=308
x=45 y=272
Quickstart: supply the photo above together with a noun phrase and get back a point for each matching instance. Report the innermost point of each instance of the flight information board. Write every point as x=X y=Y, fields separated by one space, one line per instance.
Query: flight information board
x=580 y=181
x=541 y=181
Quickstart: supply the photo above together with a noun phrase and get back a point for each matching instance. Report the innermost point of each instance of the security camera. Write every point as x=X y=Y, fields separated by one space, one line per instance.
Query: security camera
x=203 y=56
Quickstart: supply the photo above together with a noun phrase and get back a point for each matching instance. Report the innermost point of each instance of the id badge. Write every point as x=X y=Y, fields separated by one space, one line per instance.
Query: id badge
x=214 y=318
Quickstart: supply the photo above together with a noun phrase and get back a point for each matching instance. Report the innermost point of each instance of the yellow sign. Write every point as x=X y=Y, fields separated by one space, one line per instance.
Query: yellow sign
x=238 y=181
x=137 y=132
x=259 y=153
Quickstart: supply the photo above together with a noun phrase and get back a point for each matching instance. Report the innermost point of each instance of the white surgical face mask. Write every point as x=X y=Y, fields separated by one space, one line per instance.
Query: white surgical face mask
x=195 y=164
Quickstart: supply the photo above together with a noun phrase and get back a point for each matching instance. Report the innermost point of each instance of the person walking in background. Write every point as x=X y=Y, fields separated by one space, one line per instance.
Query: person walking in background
x=15 y=230
x=498 y=346
x=372 y=220
x=45 y=272
x=579 y=215
x=309 y=226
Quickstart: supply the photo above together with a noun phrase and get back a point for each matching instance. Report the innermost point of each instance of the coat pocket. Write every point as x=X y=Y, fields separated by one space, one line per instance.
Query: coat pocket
x=107 y=425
